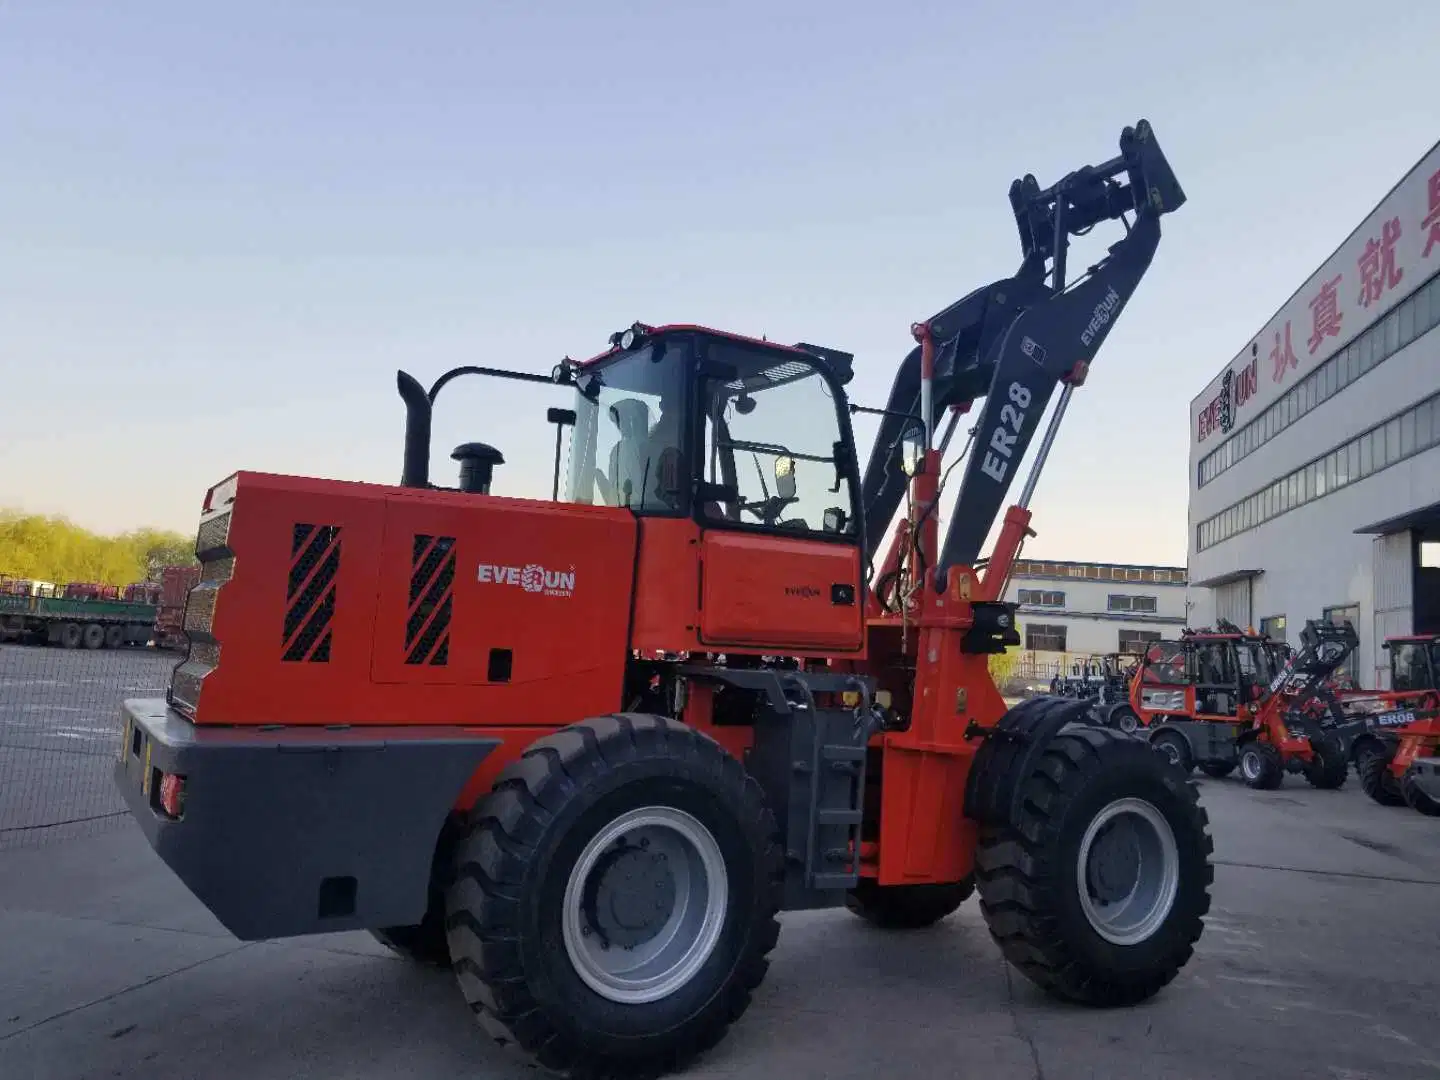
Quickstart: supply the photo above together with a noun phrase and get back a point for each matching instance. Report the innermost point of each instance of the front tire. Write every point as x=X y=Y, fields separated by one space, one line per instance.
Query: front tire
x=1415 y=798
x=1328 y=766
x=907 y=907
x=1260 y=766
x=556 y=947
x=1097 y=892
x=1372 y=765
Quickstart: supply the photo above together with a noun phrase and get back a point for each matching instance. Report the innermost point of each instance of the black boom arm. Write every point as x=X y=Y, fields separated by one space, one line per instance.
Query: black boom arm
x=1012 y=341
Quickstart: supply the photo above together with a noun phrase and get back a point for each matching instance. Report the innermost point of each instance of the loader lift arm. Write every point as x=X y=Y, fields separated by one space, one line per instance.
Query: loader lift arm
x=1012 y=341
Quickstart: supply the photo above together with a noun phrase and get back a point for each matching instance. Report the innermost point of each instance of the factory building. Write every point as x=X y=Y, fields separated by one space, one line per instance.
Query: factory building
x=1315 y=453
x=1069 y=611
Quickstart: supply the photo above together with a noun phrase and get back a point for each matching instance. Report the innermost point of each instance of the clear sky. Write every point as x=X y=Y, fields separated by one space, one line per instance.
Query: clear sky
x=223 y=227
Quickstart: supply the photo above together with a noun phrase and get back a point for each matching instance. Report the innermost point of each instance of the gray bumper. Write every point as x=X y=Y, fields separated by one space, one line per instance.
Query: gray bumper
x=294 y=830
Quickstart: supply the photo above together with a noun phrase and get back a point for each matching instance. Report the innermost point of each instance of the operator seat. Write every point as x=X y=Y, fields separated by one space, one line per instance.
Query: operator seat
x=663 y=450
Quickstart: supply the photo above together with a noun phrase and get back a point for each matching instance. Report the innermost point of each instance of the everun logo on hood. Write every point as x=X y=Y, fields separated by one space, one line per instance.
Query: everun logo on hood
x=533 y=578
x=1103 y=312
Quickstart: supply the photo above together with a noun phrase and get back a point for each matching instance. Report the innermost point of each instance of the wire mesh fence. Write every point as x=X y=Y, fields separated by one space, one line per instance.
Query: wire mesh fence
x=59 y=736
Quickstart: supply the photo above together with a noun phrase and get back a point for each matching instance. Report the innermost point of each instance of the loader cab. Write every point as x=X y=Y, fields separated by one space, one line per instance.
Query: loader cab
x=1413 y=663
x=737 y=458
x=1205 y=675
x=731 y=432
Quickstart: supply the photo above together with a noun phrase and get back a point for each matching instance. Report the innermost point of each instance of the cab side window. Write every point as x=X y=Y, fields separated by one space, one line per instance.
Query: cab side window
x=770 y=437
x=1409 y=667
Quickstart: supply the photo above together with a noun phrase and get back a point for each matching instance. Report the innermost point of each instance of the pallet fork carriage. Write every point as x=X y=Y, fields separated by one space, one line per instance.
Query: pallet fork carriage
x=584 y=750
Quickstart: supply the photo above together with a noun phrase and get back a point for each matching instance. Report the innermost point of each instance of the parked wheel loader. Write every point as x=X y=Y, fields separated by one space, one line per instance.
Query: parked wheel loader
x=1223 y=697
x=583 y=750
x=1396 y=742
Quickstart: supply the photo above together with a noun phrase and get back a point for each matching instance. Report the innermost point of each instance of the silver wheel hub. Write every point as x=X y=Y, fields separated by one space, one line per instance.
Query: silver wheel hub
x=1128 y=871
x=1250 y=765
x=644 y=905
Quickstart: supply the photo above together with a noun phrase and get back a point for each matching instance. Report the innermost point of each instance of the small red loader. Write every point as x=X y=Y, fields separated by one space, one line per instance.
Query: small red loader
x=1396 y=733
x=1222 y=697
x=584 y=750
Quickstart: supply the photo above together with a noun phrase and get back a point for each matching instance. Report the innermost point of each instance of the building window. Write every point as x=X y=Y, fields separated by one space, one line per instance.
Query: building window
x=1040 y=638
x=1412 y=432
x=1145 y=605
x=1042 y=597
x=1273 y=627
x=1136 y=642
x=1417 y=314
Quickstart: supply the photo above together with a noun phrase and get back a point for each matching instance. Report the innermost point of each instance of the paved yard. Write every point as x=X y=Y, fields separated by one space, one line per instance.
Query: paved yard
x=1318 y=962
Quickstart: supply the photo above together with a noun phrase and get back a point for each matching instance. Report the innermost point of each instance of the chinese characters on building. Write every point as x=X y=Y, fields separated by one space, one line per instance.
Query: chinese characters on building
x=1381 y=263
x=1377 y=264
x=1432 y=218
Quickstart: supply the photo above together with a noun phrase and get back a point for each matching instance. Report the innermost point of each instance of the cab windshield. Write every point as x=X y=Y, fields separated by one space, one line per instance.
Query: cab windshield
x=625 y=449
x=771 y=441
x=1257 y=662
x=1411 y=665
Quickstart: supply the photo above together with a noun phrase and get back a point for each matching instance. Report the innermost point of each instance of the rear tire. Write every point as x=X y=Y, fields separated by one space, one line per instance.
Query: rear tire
x=114 y=637
x=94 y=635
x=1123 y=718
x=1417 y=799
x=1174 y=747
x=1039 y=877
x=1372 y=765
x=907 y=907
x=1260 y=766
x=1217 y=769
x=72 y=635
x=426 y=942
x=544 y=914
x=1328 y=766
x=421 y=944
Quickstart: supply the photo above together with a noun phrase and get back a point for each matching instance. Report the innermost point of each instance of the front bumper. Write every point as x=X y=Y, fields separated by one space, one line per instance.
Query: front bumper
x=297 y=830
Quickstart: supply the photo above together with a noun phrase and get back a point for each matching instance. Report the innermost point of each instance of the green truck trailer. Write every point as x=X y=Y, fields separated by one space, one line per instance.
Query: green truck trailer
x=76 y=622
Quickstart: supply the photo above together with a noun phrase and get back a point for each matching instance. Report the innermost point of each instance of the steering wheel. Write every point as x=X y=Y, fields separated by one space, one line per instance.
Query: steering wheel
x=768 y=510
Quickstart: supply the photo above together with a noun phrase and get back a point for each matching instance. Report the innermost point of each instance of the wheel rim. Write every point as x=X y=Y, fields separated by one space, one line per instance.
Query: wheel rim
x=1250 y=765
x=1170 y=750
x=1128 y=871
x=1128 y=723
x=645 y=904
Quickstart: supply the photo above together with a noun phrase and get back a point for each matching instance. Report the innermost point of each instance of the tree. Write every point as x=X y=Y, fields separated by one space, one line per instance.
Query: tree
x=55 y=549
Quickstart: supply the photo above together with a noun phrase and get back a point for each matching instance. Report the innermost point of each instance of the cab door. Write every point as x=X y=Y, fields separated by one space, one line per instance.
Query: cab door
x=1164 y=681
x=780 y=558
x=778 y=592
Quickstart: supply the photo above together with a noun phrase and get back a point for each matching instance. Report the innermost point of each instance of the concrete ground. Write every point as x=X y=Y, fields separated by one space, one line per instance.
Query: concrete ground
x=1318 y=961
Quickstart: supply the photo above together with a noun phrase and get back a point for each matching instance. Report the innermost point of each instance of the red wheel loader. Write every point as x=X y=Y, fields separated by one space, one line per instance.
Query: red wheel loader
x=1222 y=697
x=583 y=750
x=1396 y=740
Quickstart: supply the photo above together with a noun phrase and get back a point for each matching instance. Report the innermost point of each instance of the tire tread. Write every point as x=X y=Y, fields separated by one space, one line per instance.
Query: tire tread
x=484 y=918
x=1018 y=878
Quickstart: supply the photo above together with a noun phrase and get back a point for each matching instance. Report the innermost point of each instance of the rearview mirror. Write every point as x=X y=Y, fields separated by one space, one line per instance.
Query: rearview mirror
x=785 y=476
x=912 y=450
